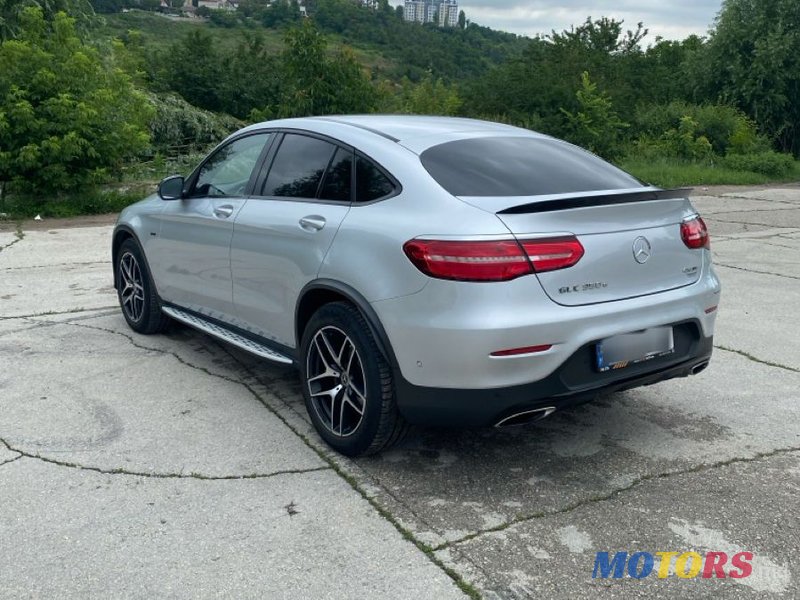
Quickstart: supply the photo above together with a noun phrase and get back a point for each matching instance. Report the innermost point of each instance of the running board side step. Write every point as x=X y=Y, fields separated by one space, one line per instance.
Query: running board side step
x=226 y=335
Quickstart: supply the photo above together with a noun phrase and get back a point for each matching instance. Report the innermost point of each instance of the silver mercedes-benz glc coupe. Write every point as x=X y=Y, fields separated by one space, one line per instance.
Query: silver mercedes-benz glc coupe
x=424 y=270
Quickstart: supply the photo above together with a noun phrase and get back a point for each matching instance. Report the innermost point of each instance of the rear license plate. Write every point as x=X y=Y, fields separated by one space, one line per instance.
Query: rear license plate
x=629 y=349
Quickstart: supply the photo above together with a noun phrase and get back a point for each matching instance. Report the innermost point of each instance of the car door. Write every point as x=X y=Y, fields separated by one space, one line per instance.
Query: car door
x=284 y=231
x=191 y=257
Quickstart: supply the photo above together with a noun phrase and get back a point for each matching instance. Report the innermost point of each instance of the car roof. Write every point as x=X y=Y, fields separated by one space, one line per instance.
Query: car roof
x=408 y=130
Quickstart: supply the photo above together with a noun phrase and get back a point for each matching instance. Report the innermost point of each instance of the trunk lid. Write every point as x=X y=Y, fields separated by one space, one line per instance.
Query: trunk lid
x=632 y=242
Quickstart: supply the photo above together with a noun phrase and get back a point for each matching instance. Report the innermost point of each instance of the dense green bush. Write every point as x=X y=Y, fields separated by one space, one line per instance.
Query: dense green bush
x=754 y=62
x=685 y=141
x=68 y=117
x=178 y=127
x=90 y=201
x=726 y=128
x=594 y=125
x=773 y=164
x=431 y=96
x=532 y=121
x=223 y=18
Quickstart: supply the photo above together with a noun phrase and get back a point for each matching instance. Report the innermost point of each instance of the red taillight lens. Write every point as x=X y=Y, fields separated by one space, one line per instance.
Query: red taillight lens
x=695 y=234
x=495 y=260
x=553 y=253
x=469 y=261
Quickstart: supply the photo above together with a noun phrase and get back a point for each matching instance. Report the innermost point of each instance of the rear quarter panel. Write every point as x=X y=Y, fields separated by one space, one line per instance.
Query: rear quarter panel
x=367 y=253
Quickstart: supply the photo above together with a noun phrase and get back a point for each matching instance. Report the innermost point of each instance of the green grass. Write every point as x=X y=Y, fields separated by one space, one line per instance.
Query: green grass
x=96 y=201
x=673 y=173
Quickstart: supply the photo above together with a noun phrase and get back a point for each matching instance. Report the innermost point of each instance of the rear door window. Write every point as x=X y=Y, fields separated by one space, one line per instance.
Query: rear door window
x=298 y=167
x=337 y=183
x=520 y=166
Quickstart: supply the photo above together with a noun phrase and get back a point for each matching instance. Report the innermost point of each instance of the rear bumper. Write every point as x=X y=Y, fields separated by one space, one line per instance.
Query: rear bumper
x=444 y=335
x=573 y=383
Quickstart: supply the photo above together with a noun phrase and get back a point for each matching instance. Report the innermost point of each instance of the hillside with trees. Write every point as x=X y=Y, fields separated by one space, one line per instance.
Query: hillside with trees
x=92 y=99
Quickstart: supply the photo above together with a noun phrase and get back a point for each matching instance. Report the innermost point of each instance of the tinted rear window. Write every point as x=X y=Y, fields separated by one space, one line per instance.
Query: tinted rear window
x=371 y=184
x=520 y=166
x=298 y=167
x=336 y=185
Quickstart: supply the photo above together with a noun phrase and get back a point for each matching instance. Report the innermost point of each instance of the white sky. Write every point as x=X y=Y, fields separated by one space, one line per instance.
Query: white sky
x=671 y=19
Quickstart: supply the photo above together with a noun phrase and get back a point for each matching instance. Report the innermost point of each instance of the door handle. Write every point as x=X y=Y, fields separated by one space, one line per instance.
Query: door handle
x=224 y=211
x=312 y=223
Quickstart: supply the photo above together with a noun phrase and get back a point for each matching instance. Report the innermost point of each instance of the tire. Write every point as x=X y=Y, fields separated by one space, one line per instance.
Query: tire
x=136 y=292
x=343 y=372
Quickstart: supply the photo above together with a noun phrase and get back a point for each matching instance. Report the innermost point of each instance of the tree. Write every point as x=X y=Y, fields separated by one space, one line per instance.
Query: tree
x=754 y=61
x=11 y=12
x=462 y=19
x=252 y=76
x=604 y=35
x=540 y=82
x=67 y=116
x=280 y=12
x=316 y=84
x=595 y=125
x=198 y=74
x=429 y=97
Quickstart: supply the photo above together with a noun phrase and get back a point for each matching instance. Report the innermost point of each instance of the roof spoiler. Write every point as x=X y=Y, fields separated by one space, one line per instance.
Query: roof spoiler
x=601 y=200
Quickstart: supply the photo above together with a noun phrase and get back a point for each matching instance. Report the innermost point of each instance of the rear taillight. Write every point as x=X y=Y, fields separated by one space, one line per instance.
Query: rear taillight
x=694 y=234
x=491 y=260
x=553 y=253
x=469 y=261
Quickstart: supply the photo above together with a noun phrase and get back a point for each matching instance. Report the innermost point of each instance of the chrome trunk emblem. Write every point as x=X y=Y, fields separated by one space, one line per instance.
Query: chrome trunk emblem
x=641 y=250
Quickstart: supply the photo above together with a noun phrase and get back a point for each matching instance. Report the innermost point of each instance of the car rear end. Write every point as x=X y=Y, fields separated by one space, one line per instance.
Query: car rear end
x=599 y=284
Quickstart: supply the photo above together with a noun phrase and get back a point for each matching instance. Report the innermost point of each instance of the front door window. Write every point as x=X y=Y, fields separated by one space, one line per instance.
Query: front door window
x=228 y=170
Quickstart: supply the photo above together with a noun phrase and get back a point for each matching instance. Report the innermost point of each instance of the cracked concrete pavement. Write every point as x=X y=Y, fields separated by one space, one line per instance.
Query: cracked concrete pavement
x=176 y=466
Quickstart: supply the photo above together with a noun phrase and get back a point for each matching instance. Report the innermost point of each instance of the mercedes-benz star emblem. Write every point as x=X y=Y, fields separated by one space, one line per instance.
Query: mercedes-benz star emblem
x=641 y=250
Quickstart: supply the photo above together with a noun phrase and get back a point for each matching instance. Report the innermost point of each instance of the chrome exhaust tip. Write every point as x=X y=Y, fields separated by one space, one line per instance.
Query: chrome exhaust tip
x=699 y=368
x=525 y=417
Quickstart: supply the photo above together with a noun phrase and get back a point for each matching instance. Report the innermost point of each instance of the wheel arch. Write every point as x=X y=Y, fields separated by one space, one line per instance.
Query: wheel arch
x=324 y=291
x=121 y=233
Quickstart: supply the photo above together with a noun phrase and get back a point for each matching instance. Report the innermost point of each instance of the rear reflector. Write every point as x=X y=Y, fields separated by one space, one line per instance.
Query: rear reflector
x=711 y=309
x=492 y=260
x=524 y=350
x=694 y=234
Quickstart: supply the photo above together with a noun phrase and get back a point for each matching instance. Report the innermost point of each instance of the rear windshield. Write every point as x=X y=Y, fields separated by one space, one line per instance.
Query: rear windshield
x=520 y=166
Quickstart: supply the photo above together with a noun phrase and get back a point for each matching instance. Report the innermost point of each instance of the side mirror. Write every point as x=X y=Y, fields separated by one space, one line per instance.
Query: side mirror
x=171 y=188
